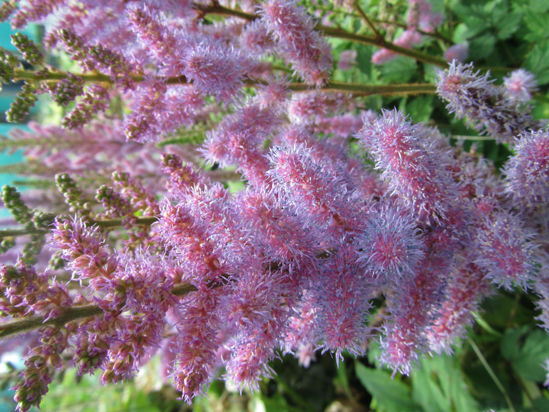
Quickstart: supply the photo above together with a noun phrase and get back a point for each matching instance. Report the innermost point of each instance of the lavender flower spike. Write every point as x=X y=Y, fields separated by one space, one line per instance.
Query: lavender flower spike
x=486 y=107
x=527 y=173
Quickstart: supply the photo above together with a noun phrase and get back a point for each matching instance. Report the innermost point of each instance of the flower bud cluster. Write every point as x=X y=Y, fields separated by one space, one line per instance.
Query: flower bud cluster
x=8 y=63
x=67 y=90
x=7 y=8
x=21 y=106
x=28 y=49
x=94 y=101
x=18 y=209
x=26 y=292
x=527 y=172
x=70 y=191
x=40 y=363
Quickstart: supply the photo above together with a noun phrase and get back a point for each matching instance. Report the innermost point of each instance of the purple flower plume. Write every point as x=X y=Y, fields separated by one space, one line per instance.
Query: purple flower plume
x=527 y=172
x=486 y=107
x=412 y=169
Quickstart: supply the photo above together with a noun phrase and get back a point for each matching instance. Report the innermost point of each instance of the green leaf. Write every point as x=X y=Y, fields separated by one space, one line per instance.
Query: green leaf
x=277 y=403
x=526 y=349
x=540 y=111
x=482 y=46
x=474 y=17
x=461 y=33
x=497 y=309
x=438 y=386
x=537 y=25
x=508 y=25
x=363 y=59
x=389 y=394
x=88 y=395
x=398 y=70
x=374 y=353
x=540 y=404
x=420 y=108
x=539 y=6
x=537 y=61
x=236 y=186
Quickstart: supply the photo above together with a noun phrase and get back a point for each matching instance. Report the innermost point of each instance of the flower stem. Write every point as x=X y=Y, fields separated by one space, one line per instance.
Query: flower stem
x=108 y=223
x=358 y=89
x=78 y=312
x=365 y=17
x=366 y=90
x=491 y=373
x=376 y=40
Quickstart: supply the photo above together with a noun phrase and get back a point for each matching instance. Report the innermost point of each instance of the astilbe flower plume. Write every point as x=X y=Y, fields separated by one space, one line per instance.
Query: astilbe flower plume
x=486 y=107
x=410 y=306
x=279 y=234
x=256 y=38
x=520 y=85
x=347 y=60
x=215 y=69
x=420 y=16
x=342 y=295
x=34 y=10
x=411 y=169
x=238 y=139
x=83 y=248
x=323 y=199
x=407 y=39
x=161 y=41
x=466 y=287
x=296 y=260
x=294 y=31
x=258 y=314
x=505 y=249
x=40 y=363
x=390 y=245
x=306 y=108
x=527 y=172
x=92 y=152
x=195 y=350
x=26 y=291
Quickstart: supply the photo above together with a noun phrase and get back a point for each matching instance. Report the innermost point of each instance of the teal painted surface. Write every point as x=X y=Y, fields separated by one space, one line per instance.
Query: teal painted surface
x=6 y=97
x=7 y=158
x=6 y=31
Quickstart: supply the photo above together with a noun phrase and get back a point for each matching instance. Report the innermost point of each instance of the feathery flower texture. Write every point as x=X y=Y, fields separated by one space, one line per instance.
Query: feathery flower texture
x=234 y=201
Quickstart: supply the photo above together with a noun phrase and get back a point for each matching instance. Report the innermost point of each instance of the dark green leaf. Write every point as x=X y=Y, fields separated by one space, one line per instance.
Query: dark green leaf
x=363 y=59
x=389 y=394
x=508 y=25
x=526 y=350
x=398 y=70
x=420 y=108
x=461 y=33
x=539 y=6
x=438 y=386
x=277 y=403
x=537 y=61
x=482 y=46
x=537 y=25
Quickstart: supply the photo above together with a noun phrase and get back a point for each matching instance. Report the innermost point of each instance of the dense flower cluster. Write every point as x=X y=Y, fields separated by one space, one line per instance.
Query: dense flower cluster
x=302 y=256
